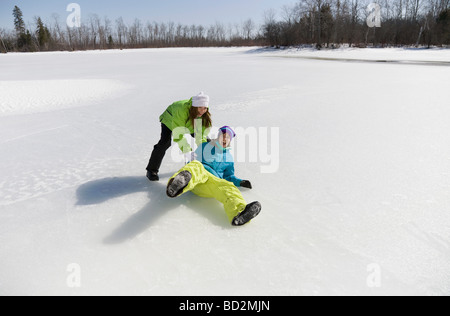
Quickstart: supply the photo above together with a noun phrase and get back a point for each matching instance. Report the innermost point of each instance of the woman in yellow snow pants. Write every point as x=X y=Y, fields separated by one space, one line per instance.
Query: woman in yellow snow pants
x=211 y=175
x=206 y=185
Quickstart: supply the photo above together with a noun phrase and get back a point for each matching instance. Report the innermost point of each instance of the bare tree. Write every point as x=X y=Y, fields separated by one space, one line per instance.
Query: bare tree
x=57 y=33
x=415 y=8
x=170 y=33
x=248 y=27
x=193 y=32
x=200 y=35
x=220 y=32
x=121 y=30
x=315 y=9
x=136 y=33
x=108 y=33
x=163 y=33
x=3 y=45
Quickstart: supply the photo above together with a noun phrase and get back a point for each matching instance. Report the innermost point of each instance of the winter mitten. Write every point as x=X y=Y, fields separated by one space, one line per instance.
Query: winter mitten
x=246 y=184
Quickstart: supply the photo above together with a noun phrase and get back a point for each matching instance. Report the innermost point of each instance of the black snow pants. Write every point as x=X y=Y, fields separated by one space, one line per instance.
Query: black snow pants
x=159 y=151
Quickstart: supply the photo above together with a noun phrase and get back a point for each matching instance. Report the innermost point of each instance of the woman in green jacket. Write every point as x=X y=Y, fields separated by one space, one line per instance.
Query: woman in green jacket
x=179 y=119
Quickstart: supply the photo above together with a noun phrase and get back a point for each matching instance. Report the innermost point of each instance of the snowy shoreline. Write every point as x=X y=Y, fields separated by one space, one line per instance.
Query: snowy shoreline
x=405 y=55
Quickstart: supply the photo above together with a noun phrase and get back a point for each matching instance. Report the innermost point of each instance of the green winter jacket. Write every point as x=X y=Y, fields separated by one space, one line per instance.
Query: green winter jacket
x=176 y=118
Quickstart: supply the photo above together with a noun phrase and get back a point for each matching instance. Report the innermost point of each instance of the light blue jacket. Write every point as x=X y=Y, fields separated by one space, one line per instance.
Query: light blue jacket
x=217 y=161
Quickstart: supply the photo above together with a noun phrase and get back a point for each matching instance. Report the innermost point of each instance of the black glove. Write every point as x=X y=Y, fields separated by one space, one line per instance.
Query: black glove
x=246 y=184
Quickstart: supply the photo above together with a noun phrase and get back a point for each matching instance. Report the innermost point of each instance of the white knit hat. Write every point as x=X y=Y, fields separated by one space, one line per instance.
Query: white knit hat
x=200 y=100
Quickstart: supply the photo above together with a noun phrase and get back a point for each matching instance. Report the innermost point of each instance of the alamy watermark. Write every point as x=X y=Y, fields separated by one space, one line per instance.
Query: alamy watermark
x=74 y=18
x=252 y=144
x=374 y=278
x=374 y=17
x=73 y=279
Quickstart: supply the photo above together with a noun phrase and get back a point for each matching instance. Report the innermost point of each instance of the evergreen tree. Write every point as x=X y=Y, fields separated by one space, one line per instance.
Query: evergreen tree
x=24 y=39
x=19 y=24
x=43 y=34
x=110 y=42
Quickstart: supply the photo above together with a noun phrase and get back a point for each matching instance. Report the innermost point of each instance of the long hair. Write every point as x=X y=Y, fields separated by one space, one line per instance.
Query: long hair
x=206 y=118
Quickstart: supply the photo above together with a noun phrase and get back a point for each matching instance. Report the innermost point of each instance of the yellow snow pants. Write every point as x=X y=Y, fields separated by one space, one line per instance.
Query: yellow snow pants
x=206 y=185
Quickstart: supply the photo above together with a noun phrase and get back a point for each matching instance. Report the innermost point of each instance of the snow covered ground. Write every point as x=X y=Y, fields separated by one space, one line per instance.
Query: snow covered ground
x=356 y=201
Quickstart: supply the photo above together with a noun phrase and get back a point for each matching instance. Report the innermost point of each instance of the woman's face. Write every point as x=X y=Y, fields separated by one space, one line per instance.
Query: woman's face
x=202 y=111
x=224 y=140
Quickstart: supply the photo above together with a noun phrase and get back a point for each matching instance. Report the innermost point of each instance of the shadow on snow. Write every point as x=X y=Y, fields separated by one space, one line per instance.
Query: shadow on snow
x=102 y=190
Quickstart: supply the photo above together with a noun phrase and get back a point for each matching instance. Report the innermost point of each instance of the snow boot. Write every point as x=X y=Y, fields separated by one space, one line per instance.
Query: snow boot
x=251 y=211
x=152 y=175
x=176 y=185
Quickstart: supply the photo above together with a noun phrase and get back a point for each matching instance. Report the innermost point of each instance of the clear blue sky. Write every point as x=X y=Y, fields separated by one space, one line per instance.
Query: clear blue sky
x=189 y=12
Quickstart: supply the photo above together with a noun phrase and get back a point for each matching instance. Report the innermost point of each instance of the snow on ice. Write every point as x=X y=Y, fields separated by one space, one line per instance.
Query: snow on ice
x=356 y=204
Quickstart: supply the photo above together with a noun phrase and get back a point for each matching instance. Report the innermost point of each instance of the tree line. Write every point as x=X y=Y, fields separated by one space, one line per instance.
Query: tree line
x=335 y=22
x=321 y=23
x=102 y=33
